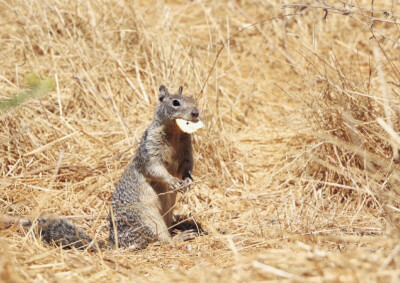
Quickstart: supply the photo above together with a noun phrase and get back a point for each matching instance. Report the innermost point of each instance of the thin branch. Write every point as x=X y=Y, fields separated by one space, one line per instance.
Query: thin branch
x=354 y=14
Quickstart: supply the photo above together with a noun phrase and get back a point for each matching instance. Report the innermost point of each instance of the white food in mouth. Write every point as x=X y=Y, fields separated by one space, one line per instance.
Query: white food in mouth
x=188 y=126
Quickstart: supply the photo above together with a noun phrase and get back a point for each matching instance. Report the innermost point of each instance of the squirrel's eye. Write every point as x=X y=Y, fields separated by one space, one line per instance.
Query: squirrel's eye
x=175 y=102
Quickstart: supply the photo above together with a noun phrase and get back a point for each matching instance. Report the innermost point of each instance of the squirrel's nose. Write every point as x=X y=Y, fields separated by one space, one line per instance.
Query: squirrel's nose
x=195 y=113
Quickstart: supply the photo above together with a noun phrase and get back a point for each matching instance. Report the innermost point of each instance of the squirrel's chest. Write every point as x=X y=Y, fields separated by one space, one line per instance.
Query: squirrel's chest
x=171 y=156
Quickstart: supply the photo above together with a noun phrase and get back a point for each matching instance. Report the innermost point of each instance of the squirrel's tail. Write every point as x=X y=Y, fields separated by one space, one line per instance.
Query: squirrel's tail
x=64 y=233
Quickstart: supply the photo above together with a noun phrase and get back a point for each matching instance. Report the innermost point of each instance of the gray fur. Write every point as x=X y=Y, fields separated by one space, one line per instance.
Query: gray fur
x=143 y=201
x=63 y=232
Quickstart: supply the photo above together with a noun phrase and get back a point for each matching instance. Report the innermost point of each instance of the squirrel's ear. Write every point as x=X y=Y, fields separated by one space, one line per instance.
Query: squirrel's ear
x=180 y=90
x=163 y=92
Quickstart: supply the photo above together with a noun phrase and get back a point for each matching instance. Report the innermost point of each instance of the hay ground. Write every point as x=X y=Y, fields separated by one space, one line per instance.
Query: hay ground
x=295 y=177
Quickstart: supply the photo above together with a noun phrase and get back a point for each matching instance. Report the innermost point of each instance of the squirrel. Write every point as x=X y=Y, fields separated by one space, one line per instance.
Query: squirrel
x=143 y=201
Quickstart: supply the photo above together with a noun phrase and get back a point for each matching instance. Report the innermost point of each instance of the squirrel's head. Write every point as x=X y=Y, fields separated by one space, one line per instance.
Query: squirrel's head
x=175 y=106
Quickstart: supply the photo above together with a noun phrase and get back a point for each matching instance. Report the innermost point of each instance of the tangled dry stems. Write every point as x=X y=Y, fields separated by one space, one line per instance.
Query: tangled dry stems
x=297 y=169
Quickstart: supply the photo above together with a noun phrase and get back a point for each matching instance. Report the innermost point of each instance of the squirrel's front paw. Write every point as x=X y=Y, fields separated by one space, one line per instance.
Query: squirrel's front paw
x=175 y=183
x=187 y=185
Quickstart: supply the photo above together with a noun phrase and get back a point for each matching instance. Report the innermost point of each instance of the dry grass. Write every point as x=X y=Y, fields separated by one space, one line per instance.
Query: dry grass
x=297 y=169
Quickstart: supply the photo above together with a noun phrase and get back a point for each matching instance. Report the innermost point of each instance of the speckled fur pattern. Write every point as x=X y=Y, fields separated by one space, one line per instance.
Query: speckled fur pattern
x=63 y=232
x=145 y=196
